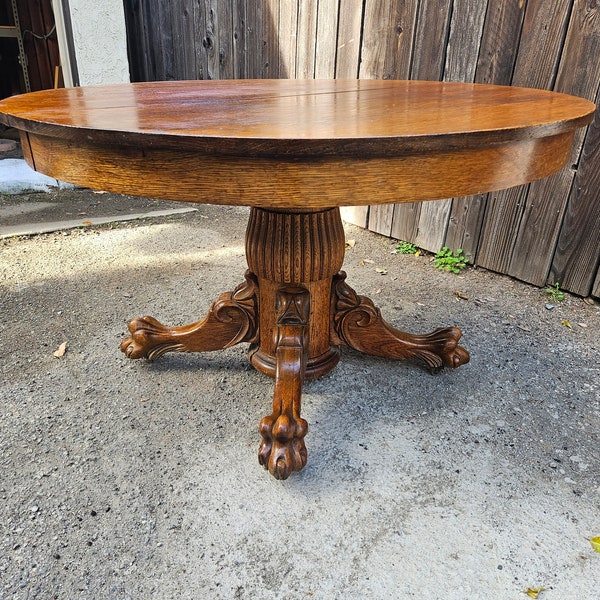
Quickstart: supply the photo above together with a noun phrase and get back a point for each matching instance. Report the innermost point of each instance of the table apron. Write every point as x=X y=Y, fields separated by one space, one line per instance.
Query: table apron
x=286 y=183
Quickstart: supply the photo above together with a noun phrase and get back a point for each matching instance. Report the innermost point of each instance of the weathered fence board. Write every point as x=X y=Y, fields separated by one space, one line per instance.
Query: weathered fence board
x=307 y=35
x=185 y=54
x=211 y=39
x=268 y=64
x=205 y=43
x=326 y=42
x=500 y=227
x=578 y=250
x=464 y=41
x=500 y=42
x=288 y=32
x=349 y=32
x=464 y=224
x=387 y=39
x=577 y=255
x=349 y=38
x=431 y=39
x=544 y=232
x=536 y=66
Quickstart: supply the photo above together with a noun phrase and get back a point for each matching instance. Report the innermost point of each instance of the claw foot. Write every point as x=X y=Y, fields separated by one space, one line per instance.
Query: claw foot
x=440 y=349
x=282 y=449
x=149 y=339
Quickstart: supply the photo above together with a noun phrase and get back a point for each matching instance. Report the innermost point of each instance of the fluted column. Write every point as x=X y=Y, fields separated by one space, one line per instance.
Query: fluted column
x=295 y=249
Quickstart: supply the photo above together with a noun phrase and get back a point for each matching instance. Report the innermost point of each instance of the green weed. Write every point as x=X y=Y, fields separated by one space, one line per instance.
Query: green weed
x=554 y=294
x=406 y=248
x=454 y=262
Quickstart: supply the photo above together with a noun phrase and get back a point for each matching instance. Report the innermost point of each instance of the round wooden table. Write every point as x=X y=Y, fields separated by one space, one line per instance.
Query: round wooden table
x=295 y=151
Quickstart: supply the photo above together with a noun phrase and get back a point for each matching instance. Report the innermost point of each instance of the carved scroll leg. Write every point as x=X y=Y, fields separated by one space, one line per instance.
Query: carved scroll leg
x=357 y=323
x=282 y=449
x=231 y=319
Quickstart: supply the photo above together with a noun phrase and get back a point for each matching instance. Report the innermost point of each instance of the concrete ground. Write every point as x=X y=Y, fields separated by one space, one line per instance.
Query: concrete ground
x=126 y=479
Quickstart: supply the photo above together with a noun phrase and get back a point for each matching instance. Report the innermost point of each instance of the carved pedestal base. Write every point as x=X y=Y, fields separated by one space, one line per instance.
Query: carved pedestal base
x=295 y=309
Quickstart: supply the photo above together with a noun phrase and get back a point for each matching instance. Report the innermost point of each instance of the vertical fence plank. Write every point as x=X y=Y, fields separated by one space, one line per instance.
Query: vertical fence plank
x=433 y=223
x=150 y=44
x=157 y=40
x=288 y=32
x=349 y=38
x=225 y=39
x=188 y=33
x=431 y=38
x=134 y=23
x=500 y=226
x=387 y=39
x=238 y=33
x=536 y=66
x=185 y=51
x=464 y=41
x=405 y=216
x=177 y=24
x=307 y=37
x=464 y=224
x=197 y=41
x=162 y=34
x=261 y=36
x=271 y=66
x=253 y=40
x=540 y=227
x=500 y=42
x=144 y=46
x=210 y=39
x=381 y=218
x=542 y=42
x=326 y=42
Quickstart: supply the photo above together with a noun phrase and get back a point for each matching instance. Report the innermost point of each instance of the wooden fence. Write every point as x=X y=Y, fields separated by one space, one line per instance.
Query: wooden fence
x=546 y=232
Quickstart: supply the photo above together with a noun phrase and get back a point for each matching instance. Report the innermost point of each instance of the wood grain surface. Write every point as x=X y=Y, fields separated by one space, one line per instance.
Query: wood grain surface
x=297 y=143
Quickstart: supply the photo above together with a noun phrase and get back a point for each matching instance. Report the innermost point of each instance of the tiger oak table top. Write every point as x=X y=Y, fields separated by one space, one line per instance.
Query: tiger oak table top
x=297 y=143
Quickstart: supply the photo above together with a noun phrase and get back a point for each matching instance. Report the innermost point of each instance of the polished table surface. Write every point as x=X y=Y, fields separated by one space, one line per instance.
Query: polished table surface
x=296 y=150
